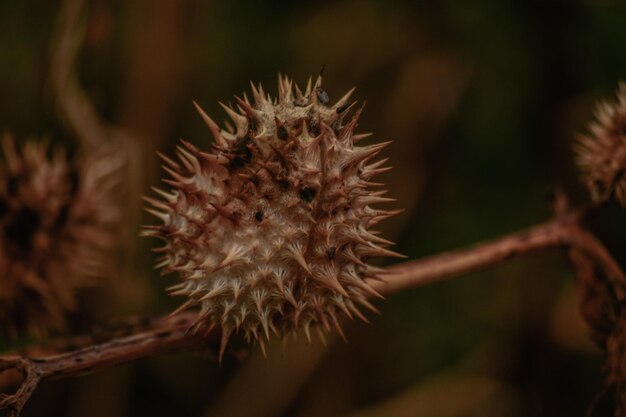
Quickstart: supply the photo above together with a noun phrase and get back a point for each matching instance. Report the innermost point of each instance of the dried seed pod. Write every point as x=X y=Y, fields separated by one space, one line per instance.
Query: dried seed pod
x=601 y=153
x=270 y=231
x=55 y=232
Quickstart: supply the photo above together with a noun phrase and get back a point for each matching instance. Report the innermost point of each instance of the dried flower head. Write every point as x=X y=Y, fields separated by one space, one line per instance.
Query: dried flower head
x=55 y=233
x=270 y=230
x=601 y=154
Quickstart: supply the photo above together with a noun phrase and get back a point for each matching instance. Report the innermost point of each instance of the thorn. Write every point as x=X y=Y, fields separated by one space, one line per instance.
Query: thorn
x=217 y=290
x=367 y=304
x=169 y=161
x=344 y=100
x=373 y=250
x=258 y=98
x=347 y=130
x=225 y=212
x=164 y=217
x=167 y=196
x=373 y=199
x=338 y=327
x=361 y=136
x=247 y=108
x=189 y=160
x=345 y=107
x=156 y=203
x=299 y=95
x=356 y=281
x=213 y=127
x=182 y=307
x=342 y=305
x=263 y=319
x=214 y=159
x=307 y=331
x=241 y=122
x=358 y=313
x=232 y=255
x=351 y=256
x=226 y=331
x=178 y=177
x=299 y=257
x=377 y=239
x=364 y=153
x=262 y=346
x=369 y=173
x=321 y=335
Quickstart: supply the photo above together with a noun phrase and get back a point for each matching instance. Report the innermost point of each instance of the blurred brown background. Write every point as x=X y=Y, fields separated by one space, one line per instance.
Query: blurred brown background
x=482 y=99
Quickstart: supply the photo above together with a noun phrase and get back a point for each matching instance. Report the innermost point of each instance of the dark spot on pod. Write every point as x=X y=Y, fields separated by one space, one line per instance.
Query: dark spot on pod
x=308 y=194
x=12 y=183
x=322 y=95
x=313 y=127
x=242 y=157
x=282 y=133
x=283 y=184
x=163 y=335
x=21 y=229
x=258 y=216
x=281 y=130
x=331 y=253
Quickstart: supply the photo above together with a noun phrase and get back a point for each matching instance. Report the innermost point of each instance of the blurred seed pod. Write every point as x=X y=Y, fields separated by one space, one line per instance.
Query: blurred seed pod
x=601 y=153
x=57 y=233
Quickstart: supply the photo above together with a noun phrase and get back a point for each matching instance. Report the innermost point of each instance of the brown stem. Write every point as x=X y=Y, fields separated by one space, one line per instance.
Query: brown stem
x=167 y=335
x=172 y=334
x=563 y=231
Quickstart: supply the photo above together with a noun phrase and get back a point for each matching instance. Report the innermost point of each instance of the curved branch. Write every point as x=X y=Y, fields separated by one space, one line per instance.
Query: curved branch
x=562 y=232
x=167 y=335
x=171 y=334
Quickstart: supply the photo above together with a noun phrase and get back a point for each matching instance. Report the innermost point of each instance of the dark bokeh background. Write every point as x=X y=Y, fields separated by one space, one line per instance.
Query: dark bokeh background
x=483 y=100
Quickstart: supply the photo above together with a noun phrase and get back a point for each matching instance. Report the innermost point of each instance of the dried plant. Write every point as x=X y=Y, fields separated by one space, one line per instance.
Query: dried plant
x=601 y=153
x=55 y=232
x=270 y=232
x=271 y=229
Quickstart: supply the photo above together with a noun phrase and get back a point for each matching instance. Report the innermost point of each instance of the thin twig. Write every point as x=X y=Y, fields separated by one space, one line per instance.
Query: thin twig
x=563 y=231
x=167 y=335
x=172 y=334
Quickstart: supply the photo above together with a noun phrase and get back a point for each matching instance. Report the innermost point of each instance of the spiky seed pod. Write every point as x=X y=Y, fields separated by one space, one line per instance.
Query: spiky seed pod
x=55 y=232
x=601 y=153
x=271 y=229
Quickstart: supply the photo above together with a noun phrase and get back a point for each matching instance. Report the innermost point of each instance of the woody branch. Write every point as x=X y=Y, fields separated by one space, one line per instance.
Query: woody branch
x=171 y=334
